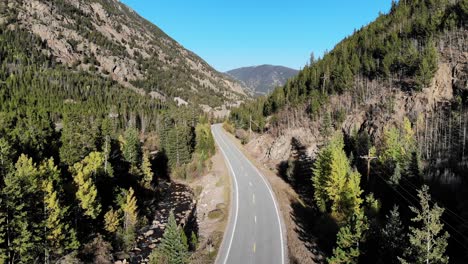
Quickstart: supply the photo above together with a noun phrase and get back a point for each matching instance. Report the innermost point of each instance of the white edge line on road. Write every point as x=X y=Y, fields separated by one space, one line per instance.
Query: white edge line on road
x=237 y=201
x=276 y=207
x=274 y=201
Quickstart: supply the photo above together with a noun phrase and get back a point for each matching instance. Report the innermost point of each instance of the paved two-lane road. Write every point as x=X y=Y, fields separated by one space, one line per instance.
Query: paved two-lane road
x=254 y=233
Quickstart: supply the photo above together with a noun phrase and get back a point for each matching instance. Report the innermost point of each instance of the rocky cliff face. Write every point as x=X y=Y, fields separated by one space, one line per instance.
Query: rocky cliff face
x=107 y=37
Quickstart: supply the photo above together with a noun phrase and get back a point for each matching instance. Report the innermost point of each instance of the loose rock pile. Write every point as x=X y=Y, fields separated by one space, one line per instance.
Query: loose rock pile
x=179 y=198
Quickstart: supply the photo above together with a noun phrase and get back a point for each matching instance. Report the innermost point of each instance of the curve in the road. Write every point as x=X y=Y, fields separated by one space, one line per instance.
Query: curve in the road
x=246 y=241
x=236 y=187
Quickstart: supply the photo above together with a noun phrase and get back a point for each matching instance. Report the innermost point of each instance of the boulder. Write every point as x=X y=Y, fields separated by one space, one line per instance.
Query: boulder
x=149 y=233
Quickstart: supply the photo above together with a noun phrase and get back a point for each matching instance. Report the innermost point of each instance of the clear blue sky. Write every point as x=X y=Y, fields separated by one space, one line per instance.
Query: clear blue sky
x=234 y=33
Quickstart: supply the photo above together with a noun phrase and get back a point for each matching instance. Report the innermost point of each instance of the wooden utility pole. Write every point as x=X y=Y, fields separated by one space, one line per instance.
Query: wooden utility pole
x=106 y=152
x=250 y=126
x=368 y=158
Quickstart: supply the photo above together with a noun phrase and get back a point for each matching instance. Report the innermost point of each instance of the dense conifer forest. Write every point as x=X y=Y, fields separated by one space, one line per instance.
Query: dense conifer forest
x=77 y=178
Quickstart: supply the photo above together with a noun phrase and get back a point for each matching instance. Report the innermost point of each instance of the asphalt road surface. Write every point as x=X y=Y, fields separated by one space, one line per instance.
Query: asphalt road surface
x=254 y=232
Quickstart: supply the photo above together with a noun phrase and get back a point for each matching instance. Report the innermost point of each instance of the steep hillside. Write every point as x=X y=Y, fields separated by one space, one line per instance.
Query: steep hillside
x=108 y=38
x=264 y=78
x=397 y=92
x=86 y=156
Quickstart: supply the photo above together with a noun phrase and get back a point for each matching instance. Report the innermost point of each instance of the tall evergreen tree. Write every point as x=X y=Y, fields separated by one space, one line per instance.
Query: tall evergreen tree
x=173 y=244
x=393 y=240
x=349 y=237
x=5 y=168
x=131 y=147
x=428 y=242
x=130 y=210
x=6 y=152
x=336 y=185
x=59 y=236
x=205 y=145
x=147 y=171
x=396 y=176
x=21 y=209
x=84 y=174
x=427 y=66
x=398 y=146
x=3 y=229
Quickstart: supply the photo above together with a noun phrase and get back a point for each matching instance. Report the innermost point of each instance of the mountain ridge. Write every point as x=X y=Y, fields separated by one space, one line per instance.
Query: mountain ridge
x=262 y=79
x=109 y=38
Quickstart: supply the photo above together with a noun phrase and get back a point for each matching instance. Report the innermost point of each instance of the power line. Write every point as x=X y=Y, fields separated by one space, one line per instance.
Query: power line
x=461 y=219
x=453 y=228
x=412 y=204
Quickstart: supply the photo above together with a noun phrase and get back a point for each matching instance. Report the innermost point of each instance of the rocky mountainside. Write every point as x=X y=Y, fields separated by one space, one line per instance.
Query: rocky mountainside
x=264 y=78
x=107 y=38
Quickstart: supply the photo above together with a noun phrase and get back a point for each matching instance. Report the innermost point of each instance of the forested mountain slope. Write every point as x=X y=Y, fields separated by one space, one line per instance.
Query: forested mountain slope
x=107 y=38
x=263 y=79
x=85 y=156
x=396 y=92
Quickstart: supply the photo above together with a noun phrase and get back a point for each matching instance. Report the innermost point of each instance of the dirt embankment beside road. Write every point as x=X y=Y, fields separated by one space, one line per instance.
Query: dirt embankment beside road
x=212 y=192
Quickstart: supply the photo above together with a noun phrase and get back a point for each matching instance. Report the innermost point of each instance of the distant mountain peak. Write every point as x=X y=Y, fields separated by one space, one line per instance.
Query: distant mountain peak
x=262 y=79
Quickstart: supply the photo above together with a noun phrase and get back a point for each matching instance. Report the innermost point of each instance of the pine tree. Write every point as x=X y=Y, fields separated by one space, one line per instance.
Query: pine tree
x=173 y=245
x=427 y=243
x=205 y=145
x=178 y=145
x=348 y=239
x=5 y=168
x=336 y=185
x=326 y=126
x=6 y=152
x=59 y=236
x=84 y=174
x=398 y=145
x=147 y=172
x=393 y=238
x=131 y=147
x=396 y=176
x=126 y=234
x=130 y=209
x=21 y=226
x=111 y=221
x=427 y=66
x=3 y=229
x=107 y=130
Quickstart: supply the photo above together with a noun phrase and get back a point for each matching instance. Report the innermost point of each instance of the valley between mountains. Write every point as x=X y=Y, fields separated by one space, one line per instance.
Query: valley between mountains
x=119 y=145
